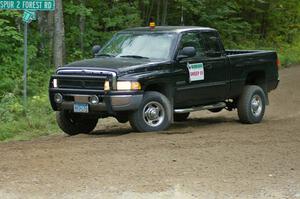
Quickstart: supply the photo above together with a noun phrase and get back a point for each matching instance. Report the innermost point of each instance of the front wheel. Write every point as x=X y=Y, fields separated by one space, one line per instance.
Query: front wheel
x=252 y=105
x=154 y=113
x=73 y=124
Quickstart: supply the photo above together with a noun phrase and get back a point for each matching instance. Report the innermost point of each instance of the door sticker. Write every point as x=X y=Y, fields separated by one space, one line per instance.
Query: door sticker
x=196 y=71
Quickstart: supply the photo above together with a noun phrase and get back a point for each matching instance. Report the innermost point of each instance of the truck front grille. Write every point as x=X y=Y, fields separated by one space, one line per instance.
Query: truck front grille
x=84 y=78
x=94 y=84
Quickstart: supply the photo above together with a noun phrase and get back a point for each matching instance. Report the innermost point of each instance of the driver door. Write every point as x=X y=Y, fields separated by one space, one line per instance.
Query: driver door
x=187 y=92
x=192 y=91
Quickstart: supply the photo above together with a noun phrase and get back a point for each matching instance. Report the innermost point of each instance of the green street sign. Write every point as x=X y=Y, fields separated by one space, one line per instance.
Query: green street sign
x=43 y=5
x=29 y=16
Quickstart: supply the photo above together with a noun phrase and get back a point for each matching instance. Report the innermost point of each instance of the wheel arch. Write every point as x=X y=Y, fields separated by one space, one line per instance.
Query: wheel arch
x=166 y=89
x=163 y=88
x=258 y=78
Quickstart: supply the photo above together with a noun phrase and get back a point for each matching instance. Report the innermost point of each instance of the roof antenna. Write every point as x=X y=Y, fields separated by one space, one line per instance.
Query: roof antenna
x=182 y=19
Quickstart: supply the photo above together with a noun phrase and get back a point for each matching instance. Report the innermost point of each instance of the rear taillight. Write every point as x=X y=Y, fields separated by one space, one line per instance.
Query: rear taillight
x=278 y=63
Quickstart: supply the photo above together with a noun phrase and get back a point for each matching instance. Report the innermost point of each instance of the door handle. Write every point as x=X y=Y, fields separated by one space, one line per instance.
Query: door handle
x=208 y=66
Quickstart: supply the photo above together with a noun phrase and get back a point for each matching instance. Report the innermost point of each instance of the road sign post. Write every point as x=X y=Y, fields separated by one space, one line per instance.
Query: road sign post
x=25 y=63
x=29 y=7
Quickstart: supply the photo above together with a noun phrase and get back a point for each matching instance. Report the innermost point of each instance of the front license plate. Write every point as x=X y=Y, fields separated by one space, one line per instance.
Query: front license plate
x=81 y=108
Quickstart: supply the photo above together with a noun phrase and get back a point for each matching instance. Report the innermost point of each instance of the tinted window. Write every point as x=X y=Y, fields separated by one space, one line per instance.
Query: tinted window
x=193 y=39
x=212 y=44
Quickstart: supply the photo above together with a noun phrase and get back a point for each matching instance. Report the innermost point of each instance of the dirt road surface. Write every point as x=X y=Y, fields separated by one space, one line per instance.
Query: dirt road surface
x=209 y=156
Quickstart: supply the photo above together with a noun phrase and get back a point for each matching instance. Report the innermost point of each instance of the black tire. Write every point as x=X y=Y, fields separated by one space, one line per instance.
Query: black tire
x=181 y=117
x=140 y=119
x=248 y=112
x=216 y=110
x=73 y=124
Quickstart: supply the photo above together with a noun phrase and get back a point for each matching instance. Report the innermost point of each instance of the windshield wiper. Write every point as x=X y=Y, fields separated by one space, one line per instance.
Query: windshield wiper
x=105 y=55
x=135 y=56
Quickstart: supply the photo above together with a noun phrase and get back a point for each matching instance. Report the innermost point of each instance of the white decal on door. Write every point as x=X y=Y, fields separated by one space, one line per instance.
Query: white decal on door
x=196 y=71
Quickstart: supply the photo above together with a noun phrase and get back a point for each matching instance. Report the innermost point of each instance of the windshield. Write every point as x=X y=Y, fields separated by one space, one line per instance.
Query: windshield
x=152 y=45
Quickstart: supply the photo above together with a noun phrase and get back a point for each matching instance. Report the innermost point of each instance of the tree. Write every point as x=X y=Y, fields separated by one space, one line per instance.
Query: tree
x=59 y=35
x=165 y=12
x=82 y=26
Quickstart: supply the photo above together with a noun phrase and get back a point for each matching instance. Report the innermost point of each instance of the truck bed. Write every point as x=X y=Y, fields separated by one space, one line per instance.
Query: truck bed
x=261 y=58
x=243 y=62
x=243 y=52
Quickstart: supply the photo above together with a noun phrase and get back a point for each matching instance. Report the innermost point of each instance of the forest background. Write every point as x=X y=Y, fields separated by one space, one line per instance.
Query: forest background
x=69 y=33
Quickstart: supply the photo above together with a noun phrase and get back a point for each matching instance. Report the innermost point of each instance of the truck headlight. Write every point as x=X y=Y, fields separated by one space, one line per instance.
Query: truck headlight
x=54 y=83
x=124 y=86
x=128 y=85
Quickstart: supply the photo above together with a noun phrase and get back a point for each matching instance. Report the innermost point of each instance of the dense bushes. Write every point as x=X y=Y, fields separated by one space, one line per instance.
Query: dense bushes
x=36 y=118
x=22 y=124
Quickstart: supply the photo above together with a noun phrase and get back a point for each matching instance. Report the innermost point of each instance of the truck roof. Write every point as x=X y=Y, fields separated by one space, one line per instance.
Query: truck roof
x=174 y=29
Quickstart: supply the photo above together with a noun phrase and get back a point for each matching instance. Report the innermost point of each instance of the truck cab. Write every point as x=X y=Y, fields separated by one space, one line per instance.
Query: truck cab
x=153 y=77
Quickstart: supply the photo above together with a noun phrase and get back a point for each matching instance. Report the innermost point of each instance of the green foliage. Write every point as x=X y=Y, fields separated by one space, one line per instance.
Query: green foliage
x=18 y=124
x=243 y=24
x=37 y=119
x=289 y=53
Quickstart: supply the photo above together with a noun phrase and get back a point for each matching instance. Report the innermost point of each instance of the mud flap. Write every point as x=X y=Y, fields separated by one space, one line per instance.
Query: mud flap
x=267 y=99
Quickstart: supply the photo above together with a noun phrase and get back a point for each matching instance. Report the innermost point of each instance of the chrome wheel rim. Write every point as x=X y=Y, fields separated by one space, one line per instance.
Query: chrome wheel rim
x=256 y=105
x=153 y=114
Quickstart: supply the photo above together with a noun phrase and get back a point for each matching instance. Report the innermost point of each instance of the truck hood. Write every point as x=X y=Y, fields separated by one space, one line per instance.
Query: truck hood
x=113 y=64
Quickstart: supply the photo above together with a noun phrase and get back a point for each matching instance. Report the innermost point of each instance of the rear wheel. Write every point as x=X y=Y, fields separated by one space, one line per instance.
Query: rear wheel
x=154 y=113
x=181 y=117
x=252 y=105
x=73 y=124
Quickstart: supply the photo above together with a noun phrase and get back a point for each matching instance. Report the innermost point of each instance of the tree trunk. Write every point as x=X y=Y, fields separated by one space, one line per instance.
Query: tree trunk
x=59 y=35
x=50 y=31
x=143 y=10
x=165 y=13
x=158 y=13
x=82 y=27
x=149 y=13
x=42 y=25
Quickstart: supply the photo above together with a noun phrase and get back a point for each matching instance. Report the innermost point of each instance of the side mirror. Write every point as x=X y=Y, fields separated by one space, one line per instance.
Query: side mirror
x=186 y=52
x=96 y=49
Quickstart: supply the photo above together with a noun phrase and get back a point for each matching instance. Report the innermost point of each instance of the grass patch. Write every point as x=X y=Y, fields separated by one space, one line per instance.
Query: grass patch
x=18 y=123
x=290 y=54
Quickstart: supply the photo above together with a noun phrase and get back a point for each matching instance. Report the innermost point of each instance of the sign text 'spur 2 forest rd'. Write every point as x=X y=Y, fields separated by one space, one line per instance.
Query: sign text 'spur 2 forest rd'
x=27 y=5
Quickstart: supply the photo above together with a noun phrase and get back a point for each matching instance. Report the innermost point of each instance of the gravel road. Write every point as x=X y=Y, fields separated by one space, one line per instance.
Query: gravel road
x=209 y=156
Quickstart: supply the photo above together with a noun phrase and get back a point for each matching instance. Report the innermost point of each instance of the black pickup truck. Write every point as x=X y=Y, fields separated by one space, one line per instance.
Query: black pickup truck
x=153 y=77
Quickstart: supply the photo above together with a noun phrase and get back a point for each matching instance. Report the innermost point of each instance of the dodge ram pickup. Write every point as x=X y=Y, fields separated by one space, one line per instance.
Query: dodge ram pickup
x=153 y=77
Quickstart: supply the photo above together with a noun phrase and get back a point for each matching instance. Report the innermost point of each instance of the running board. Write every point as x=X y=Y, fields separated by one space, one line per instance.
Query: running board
x=201 y=108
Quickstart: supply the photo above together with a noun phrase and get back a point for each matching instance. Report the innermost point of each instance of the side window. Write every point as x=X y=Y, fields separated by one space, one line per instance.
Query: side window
x=212 y=44
x=192 y=39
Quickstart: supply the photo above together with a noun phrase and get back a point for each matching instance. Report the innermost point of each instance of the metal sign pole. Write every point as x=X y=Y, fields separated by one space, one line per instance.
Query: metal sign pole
x=25 y=62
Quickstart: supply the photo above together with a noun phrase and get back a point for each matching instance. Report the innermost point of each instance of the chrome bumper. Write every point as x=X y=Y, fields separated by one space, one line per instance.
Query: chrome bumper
x=108 y=104
x=125 y=102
